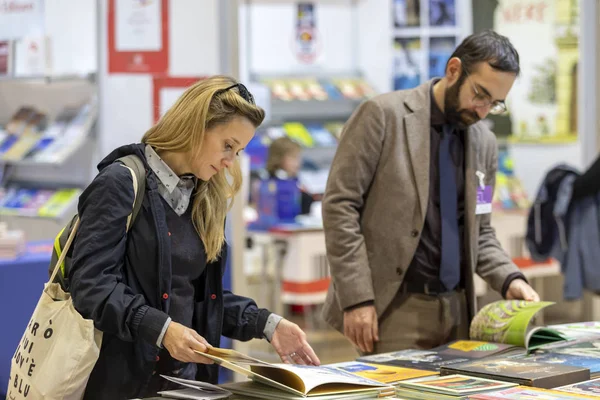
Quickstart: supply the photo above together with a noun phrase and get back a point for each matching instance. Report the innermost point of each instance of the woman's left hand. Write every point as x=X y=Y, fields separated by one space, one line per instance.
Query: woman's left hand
x=290 y=343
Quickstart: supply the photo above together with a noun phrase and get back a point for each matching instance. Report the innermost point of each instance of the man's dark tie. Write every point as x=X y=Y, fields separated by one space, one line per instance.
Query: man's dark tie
x=450 y=255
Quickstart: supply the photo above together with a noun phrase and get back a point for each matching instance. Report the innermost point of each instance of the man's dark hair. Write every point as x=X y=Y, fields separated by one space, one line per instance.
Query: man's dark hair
x=491 y=47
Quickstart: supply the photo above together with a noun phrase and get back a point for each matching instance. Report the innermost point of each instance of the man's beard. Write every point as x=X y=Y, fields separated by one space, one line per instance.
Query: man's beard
x=454 y=115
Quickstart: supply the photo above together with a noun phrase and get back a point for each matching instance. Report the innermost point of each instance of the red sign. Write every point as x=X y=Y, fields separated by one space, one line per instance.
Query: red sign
x=144 y=21
x=160 y=83
x=4 y=58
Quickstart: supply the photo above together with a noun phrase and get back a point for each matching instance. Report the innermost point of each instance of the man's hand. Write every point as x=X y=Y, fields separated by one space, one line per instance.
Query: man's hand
x=181 y=342
x=520 y=290
x=290 y=343
x=361 y=327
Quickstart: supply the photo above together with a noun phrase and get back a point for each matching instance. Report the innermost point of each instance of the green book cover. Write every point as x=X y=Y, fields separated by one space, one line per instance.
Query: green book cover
x=510 y=322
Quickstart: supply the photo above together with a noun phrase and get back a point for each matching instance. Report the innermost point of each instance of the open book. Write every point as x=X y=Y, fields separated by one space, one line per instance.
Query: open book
x=300 y=380
x=509 y=322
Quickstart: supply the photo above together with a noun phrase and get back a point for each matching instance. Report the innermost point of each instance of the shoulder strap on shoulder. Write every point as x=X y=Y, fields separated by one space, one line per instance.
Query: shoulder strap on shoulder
x=135 y=164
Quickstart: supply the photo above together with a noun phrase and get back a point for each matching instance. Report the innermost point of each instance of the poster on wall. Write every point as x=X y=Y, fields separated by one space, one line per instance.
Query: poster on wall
x=442 y=13
x=306 y=41
x=543 y=101
x=408 y=56
x=138 y=36
x=20 y=18
x=32 y=56
x=440 y=50
x=406 y=13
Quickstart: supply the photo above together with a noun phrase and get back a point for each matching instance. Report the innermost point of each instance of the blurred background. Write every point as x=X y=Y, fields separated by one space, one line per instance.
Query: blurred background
x=81 y=77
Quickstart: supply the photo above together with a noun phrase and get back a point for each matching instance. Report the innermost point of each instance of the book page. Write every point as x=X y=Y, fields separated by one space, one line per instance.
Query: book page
x=505 y=321
x=234 y=356
x=254 y=390
x=313 y=377
x=250 y=374
x=297 y=379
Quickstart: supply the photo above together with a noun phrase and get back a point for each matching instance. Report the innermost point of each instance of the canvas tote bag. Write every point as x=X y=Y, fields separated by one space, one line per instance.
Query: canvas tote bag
x=58 y=350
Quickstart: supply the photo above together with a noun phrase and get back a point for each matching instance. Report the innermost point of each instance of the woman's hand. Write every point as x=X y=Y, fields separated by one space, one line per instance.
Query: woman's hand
x=181 y=342
x=290 y=343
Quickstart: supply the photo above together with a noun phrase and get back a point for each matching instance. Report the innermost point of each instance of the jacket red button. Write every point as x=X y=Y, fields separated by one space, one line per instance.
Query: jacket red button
x=213 y=296
x=165 y=296
x=157 y=358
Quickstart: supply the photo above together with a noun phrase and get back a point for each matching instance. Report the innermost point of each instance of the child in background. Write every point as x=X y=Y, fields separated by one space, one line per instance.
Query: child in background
x=284 y=161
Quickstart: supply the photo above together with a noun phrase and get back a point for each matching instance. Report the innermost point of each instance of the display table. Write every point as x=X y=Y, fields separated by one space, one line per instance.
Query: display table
x=21 y=283
x=301 y=273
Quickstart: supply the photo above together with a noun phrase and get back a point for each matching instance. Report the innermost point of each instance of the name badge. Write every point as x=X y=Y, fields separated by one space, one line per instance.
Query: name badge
x=484 y=200
x=484 y=196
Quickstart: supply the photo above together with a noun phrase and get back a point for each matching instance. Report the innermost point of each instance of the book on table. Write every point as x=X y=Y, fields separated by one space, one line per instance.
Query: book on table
x=521 y=371
x=451 y=387
x=297 y=380
x=381 y=373
x=452 y=353
x=522 y=393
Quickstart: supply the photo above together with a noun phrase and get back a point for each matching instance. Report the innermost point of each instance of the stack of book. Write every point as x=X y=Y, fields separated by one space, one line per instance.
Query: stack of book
x=12 y=242
x=452 y=387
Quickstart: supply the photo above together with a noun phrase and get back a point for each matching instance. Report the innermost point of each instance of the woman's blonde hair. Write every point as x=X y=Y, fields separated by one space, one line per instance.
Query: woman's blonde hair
x=280 y=148
x=182 y=129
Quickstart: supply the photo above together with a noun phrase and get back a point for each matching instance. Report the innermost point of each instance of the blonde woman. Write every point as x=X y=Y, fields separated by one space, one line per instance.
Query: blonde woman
x=156 y=291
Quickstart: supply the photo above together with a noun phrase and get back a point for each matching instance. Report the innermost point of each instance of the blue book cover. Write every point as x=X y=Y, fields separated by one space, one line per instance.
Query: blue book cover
x=591 y=363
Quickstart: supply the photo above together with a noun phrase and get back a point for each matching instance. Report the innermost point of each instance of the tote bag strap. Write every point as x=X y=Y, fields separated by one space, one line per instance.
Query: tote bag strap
x=65 y=250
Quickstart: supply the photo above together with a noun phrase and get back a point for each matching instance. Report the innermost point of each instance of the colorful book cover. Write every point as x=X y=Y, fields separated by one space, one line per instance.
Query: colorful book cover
x=591 y=363
x=591 y=388
x=59 y=203
x=37 y=200
x=321 y=136
x=522 y=393
x=509 y=321
x=455 y=385
x=18 y=201
x=474 y=349
x=521 y=371
x=381 y=373
x=298 y=132
x=429 y=360
x=451 y=353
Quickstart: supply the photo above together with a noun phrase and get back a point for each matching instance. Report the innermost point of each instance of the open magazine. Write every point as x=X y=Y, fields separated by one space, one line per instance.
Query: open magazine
x=510 y=322
x=300 y=380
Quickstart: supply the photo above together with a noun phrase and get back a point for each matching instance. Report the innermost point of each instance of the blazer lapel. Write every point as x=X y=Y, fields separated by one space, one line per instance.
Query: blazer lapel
x=471 y=150
x=417 y=129
x=418 y=137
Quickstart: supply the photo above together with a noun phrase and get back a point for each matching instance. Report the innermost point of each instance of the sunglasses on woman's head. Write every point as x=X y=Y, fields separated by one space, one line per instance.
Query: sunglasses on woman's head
x=243 y=91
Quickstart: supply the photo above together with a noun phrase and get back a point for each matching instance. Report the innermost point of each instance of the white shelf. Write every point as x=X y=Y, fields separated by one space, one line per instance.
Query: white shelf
x=48 y=78
x=313 y=110
x=67 y=150
x=430 y=31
